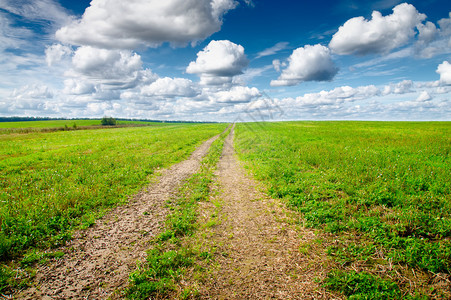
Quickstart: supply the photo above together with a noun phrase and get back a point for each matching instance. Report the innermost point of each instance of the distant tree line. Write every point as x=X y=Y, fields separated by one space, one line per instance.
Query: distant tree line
x=24 y=119
x=164 y=121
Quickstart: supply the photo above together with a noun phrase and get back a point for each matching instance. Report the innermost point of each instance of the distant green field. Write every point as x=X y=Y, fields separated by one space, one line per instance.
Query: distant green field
x=52 y=182
x=60 y=123
x=382 y=190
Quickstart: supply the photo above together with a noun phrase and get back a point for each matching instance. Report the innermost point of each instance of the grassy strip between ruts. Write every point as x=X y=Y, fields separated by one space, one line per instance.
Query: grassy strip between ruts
x=53 y=183
x=172 y=250
x=380 y=190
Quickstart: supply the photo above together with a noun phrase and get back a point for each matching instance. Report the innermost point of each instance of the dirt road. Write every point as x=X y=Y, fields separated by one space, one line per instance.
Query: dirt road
x=260 y=248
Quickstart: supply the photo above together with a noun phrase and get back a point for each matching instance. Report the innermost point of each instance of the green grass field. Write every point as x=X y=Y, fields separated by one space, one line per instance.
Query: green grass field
x=377 y=193
x=53 y=182
x=49 y=124
x=61 y=123
x=382 y=190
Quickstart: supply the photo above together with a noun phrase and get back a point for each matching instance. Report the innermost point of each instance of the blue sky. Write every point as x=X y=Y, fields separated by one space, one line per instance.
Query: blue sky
x=226 y=60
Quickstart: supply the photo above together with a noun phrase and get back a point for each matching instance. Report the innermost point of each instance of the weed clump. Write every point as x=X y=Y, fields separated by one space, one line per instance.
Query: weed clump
x=362 y=285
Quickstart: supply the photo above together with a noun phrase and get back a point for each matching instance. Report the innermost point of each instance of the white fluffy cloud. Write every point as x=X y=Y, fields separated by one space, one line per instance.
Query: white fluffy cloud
x=129 y=24
x=105 y=64
x=218 y=62
x=309 y=63
x=338 y=95
x=219 y=58
x=74 y=86
x=343 y=95
x=55 y=53
x=444 y=69
x=170 y=88
x=380 y=34
x=103 y=70
x=237 y=94
x=402 y=87
x=424 y=96
x=445 y=30
x=32 y=92
x=433 y=40
x=276 y=64
x=28 y=100
x=238 y=103
x=427 y=32
x=368 y=103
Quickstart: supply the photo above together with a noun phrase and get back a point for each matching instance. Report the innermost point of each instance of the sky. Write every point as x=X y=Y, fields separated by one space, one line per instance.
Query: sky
x=226 y=60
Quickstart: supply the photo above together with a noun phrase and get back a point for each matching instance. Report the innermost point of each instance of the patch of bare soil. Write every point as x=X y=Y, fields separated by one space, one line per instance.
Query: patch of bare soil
x=98 y=260
x=262 y=253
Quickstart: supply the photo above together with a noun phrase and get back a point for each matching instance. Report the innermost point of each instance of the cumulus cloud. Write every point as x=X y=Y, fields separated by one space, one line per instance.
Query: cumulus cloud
x=444 y=69
x=105 y=64
x=367 y=102
x=55 y=53
x=218 y=62
x=29 y=100
x=237 y=94
x=445 y=30
x=103 y=71
x=129 y=24
x=433 y=40
x=239 y=103
x=424 y=96
x=363 y=102
x=32 y=92
x=78 y=87
x=380 y=34
x=276 y=64
x=211 y=80
x=219 y=58
x=170 y=87
x=273 y=50
x=338 y=95
x=402 y=87
x=427 y=32
x=309 y=63
x=445 y=26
